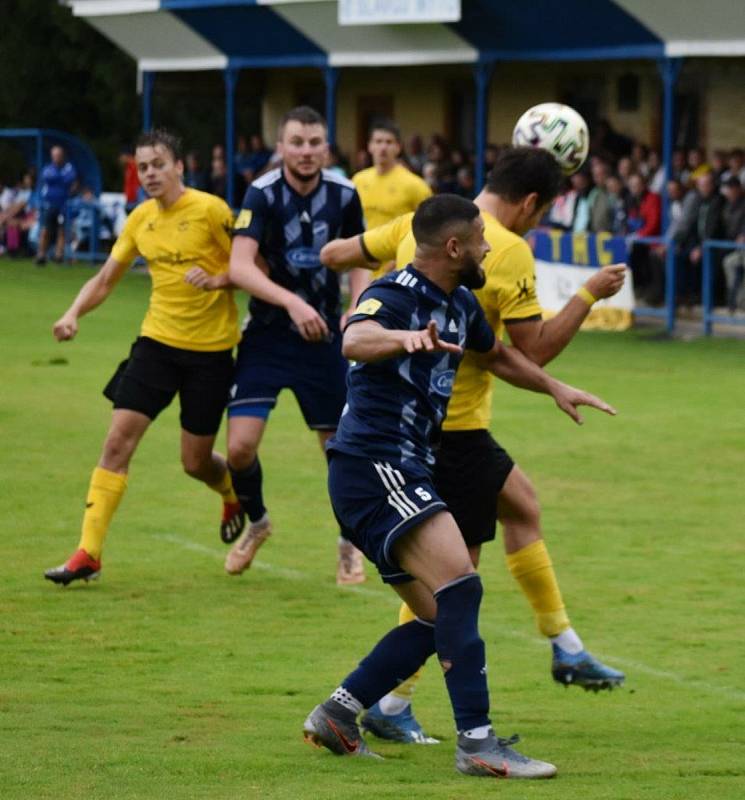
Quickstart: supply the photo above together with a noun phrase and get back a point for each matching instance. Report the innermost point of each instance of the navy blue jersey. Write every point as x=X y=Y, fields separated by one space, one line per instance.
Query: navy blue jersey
x=291 y=229
x=396 y=406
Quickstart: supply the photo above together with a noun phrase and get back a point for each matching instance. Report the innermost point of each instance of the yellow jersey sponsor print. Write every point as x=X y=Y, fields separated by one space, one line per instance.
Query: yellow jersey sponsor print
x=386 y=197
x=369 y=307
x=193 y=232
x=509 y=294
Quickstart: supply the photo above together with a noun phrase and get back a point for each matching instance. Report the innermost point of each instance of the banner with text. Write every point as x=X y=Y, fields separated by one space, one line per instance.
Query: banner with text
x=564 y=261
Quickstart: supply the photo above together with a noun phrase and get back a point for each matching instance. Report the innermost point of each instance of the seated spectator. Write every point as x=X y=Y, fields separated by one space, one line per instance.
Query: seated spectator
x=617 y=194
x=735 y=165
x=465 y=185
x=131 y=185
x=703 y=221
x=719 y=164
x=656 y=175
x=430 y=176
x=624 y=169
x=335 y=161
x=733 y=264
x=678 y=169
x=259 y=156
x=581 y=185
x=17 y=216
x=415 y=154
x=697 y=165
x=639 y=156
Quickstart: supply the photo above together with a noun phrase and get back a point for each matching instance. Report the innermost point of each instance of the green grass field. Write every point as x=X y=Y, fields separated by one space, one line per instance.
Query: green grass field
x=169 y=679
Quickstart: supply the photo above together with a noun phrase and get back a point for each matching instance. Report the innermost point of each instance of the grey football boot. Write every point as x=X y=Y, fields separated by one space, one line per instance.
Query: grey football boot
x=334 y=727
x=494 y=758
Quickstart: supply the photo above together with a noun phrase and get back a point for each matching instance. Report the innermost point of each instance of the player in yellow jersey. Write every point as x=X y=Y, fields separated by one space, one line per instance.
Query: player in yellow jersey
x=185 y=344
x=387 y=189
x=475 y=476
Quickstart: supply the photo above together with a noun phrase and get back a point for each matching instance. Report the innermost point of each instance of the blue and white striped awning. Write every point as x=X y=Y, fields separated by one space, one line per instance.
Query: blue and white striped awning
x=168 y=35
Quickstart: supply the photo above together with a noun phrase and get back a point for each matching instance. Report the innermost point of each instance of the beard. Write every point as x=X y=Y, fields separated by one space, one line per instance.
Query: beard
x=472 y=275
x=302 y=176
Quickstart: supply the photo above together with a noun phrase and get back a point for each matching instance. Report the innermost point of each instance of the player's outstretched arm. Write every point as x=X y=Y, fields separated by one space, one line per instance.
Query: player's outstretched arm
x=542 y=340
x=343 y=254
x=246 y=273
x=93 y=293
x=512 y=366
x=368 y=341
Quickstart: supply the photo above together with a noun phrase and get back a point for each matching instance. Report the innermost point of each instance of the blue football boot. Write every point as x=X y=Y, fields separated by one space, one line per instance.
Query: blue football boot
x=583 y=669
x=402 y=727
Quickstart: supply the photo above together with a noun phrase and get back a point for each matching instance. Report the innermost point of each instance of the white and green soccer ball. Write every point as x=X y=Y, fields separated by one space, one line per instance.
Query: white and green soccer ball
x=558 y=129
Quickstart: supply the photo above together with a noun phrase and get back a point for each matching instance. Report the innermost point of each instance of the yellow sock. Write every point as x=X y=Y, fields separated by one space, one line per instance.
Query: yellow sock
x=104 y=493
x=532 y=568
x=224 y=487
x=405 y=690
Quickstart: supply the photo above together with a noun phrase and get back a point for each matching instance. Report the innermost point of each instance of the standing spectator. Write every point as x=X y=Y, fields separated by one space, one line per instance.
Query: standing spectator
x=644 y=215
x=639 y=155
x=218 y=180
x=599 y=202
x=131 y=185
x=258 y=157
x=581 y=185
x=465 y=185
x=704 y=221
x=625 y=168
x=617 y=194
x=415 y=154
x=733 y=215
x=194 y=177
x=58 y=179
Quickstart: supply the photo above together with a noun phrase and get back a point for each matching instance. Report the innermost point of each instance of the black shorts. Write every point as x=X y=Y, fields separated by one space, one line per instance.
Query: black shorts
x=51 y=218
x=470 y=471
x=154 y=372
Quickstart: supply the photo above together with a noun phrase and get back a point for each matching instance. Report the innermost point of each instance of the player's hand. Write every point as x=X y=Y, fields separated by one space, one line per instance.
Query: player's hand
x=65 y=328
x=310 y=324
x=428 y=341
x=196 y=276
x=607 y=281
x=568 y=398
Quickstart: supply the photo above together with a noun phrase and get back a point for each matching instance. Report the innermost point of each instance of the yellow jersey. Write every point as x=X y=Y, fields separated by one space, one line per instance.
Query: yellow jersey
x=388 y=196
x=193 y=232
x=508 y=294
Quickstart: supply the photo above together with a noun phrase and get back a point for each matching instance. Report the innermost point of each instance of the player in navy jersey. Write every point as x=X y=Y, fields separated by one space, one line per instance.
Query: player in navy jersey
x=406 y=339
x=293 y=338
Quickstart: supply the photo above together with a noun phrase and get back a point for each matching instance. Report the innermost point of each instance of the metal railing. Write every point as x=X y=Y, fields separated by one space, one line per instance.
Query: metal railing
x=707 y=284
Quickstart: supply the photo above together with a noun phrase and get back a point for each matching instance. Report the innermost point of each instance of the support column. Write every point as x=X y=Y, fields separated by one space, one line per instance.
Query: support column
x=331 y=78
x=669 y=69
x=148 y=79
x=231 y=81
x=482 y=73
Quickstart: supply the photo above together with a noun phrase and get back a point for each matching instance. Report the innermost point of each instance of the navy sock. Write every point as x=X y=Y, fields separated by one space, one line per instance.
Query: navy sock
x=461 y=650
x=396 y=657
x=247 y=484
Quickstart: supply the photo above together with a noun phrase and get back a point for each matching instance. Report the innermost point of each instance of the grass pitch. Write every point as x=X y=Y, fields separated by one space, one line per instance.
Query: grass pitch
x=169 y=679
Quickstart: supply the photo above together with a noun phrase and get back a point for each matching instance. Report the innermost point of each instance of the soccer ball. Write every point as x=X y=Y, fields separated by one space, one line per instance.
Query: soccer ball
x=558 y=129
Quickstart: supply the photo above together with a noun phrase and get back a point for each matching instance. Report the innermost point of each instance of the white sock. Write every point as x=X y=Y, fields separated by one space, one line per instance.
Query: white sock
x=349 y=701
x=478 y=733
x=391 y=704
x=568 y=641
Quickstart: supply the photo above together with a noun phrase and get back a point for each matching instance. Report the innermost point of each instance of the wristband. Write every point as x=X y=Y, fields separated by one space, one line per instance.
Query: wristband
x=585 y=295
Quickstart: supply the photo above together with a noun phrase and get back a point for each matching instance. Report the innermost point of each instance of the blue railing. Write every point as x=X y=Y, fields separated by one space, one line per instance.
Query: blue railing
x=707 y=285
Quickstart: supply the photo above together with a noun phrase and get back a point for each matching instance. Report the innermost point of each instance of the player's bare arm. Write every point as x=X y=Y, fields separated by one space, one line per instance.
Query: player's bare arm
x=92 y=294
x=510 y=365
x=245 y=273
x=343 y=254
x=542 y=340
x=202 y=279
x=368 y=342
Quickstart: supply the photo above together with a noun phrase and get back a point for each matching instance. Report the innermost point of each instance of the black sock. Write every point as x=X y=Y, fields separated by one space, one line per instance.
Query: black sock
x=247 y=484
x=396 y=657
x=461 y=650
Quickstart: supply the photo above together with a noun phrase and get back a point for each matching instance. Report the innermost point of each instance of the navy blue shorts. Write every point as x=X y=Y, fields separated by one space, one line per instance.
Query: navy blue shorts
x=270 y=360
x=376 y=503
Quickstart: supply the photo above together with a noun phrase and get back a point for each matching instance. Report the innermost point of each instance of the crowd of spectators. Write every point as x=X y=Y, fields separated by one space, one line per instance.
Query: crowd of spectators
x=619 y=191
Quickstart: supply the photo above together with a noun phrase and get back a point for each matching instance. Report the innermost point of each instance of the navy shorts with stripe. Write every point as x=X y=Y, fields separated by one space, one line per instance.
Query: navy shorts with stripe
x=270 y=359
x=376 y=503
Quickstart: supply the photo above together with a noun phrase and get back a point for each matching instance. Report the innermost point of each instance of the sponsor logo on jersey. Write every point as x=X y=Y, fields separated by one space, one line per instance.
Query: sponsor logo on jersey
x=303 y=258
x=442 y=382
